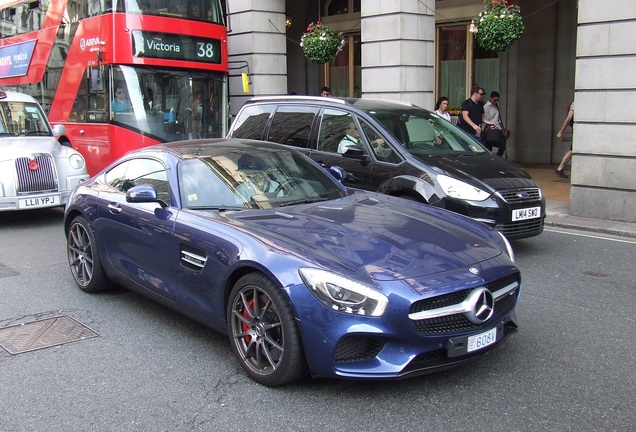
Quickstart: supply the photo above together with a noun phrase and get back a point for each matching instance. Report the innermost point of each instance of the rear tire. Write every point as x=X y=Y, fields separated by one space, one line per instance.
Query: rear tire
x=83 y=257
x=263 y=332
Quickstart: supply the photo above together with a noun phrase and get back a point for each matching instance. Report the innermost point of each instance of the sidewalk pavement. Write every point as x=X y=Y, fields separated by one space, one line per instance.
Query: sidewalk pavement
x=557 y=194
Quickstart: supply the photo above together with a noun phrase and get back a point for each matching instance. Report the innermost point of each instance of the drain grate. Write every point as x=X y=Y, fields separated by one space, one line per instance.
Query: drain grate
x=44 y=333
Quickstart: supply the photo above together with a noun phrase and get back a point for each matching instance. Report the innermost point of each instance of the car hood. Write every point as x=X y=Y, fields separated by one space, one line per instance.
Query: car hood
x=364 y=233
x=22 y=146
x=490 y=172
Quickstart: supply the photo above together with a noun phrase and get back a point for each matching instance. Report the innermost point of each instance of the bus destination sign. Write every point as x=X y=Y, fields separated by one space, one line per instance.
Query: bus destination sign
x=176 y=47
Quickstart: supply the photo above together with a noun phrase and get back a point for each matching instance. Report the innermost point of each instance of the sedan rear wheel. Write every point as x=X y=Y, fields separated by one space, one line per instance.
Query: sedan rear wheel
x=83 y=257
x=263 y=332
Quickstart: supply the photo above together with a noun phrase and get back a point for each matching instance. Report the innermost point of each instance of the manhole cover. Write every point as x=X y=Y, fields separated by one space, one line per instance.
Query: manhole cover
x=44 y=333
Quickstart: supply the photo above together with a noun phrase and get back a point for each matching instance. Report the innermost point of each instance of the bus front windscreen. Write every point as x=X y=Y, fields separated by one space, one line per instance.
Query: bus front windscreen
x=167 y=104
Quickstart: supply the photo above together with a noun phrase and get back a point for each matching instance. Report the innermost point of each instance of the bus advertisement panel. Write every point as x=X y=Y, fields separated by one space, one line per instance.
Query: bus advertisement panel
x=119 y=74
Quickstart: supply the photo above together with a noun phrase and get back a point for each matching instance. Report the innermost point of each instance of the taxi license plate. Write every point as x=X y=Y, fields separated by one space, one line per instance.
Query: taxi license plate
x=43 y=201
x=526 y=213
x=482 y=340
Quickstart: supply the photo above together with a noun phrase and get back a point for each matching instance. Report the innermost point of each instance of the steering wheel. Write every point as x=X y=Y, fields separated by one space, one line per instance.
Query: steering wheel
x=284 y=186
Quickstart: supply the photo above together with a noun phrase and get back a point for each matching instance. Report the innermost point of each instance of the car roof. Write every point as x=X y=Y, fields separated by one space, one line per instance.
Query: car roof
x=212 y=147
x=364 y=104
x=8 y=95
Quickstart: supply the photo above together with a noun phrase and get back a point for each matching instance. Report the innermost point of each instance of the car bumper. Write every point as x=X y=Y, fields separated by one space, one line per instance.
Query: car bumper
x=34 y=201
x=37 y=200
x=502 y=215
x=395 y=346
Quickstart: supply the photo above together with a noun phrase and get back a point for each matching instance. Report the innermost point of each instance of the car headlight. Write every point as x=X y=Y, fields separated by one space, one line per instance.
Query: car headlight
x=343 y=294
x=458 y=189
x=76 y=161
x=509 y=250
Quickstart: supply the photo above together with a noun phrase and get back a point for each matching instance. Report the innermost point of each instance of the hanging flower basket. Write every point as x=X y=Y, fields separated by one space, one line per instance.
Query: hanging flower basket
x=320 y=44
x=498 y=26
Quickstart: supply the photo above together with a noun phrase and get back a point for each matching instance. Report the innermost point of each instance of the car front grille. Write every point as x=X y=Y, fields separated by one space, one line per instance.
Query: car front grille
x=520 y=196
x=42 y=179
x=459 y=322
x=520 y=229
x=437 y=360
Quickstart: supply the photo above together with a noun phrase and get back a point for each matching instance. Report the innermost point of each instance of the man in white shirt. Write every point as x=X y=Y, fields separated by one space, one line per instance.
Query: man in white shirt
x=492 y=120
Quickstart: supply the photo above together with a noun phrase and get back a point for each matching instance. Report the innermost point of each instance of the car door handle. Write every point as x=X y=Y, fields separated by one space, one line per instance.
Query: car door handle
x=114 y=208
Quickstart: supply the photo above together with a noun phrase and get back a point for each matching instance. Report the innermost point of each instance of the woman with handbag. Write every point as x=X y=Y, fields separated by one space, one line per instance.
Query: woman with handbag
x=494 y=132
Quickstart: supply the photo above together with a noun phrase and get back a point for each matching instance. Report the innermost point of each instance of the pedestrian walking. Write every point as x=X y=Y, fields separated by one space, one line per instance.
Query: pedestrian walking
x=569 y=121
x=472 y=112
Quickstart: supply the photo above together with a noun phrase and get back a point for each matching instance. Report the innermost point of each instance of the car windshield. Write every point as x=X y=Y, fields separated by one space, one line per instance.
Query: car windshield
x=22 y=118
x=423 y=133
x=254 y=179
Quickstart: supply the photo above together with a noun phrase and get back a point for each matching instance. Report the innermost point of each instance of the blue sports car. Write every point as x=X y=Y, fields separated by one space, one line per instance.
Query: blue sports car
x=304 y=275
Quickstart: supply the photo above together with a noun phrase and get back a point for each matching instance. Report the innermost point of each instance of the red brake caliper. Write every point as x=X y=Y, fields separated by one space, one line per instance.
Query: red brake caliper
x=246 y=327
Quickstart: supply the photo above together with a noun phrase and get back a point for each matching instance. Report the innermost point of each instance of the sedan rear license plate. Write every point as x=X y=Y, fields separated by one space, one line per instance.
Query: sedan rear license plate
x=482 y=340
x=526 y=213
x=43 y=201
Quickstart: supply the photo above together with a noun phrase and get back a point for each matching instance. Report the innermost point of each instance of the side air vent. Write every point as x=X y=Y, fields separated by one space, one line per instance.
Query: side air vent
x=192 y=258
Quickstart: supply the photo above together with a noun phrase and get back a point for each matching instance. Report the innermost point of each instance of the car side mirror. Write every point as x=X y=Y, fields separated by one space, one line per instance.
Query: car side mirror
x=144 y=193
x=337 y=172
x=354 y=153
x=58 y=130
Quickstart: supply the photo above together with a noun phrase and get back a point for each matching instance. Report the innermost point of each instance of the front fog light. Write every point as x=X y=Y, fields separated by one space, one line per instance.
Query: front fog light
x=343 y=294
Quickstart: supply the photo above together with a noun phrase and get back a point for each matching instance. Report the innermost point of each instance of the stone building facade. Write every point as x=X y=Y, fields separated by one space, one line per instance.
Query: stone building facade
x=415 y=51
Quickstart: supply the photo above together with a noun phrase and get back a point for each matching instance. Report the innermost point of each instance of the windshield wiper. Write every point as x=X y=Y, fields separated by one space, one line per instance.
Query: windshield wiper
x=302 y=201
x=216 y=208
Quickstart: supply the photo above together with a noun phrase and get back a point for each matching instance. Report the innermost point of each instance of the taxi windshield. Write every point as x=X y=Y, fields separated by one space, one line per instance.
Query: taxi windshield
x=22 y=118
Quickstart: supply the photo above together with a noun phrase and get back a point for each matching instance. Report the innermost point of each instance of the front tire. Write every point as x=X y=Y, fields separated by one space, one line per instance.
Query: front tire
x=263 y=332
x=83 y=257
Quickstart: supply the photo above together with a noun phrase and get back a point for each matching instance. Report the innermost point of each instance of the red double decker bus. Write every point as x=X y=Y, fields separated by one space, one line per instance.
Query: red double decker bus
x=119 y=74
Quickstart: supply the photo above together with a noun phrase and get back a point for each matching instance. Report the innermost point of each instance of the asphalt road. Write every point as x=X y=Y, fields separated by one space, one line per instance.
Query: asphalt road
x=570 y=367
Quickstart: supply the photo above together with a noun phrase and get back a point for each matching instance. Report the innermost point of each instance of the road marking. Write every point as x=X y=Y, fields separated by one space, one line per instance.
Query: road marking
x=579 y=234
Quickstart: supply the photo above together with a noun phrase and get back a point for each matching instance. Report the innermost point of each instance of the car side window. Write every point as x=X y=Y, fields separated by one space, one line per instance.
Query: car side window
x=381 y=147
x=291 y=125
x=338 y=132
x=140 y=171
x=252 y=121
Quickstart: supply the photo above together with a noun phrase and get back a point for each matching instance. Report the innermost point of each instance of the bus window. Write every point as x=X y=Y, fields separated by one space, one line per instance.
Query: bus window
x=200 y=10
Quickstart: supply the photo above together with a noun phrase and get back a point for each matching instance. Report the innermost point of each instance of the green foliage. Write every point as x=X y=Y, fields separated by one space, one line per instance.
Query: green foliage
x=499 y=25
x=320 y=44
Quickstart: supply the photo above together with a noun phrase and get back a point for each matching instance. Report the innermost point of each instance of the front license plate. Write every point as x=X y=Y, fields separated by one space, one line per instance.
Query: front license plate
x=45 y=201
x=526 y=213
x=482 y=340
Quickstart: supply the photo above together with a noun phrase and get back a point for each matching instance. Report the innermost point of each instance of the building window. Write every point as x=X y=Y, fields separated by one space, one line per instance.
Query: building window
x=341 y=7
x=463 y=64
x=345 y=71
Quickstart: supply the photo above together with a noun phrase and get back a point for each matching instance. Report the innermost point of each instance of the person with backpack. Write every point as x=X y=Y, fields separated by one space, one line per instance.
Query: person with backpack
x=569 y=121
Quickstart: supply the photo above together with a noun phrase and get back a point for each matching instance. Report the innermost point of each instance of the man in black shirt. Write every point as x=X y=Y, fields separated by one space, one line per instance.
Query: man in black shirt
x=472 y=112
